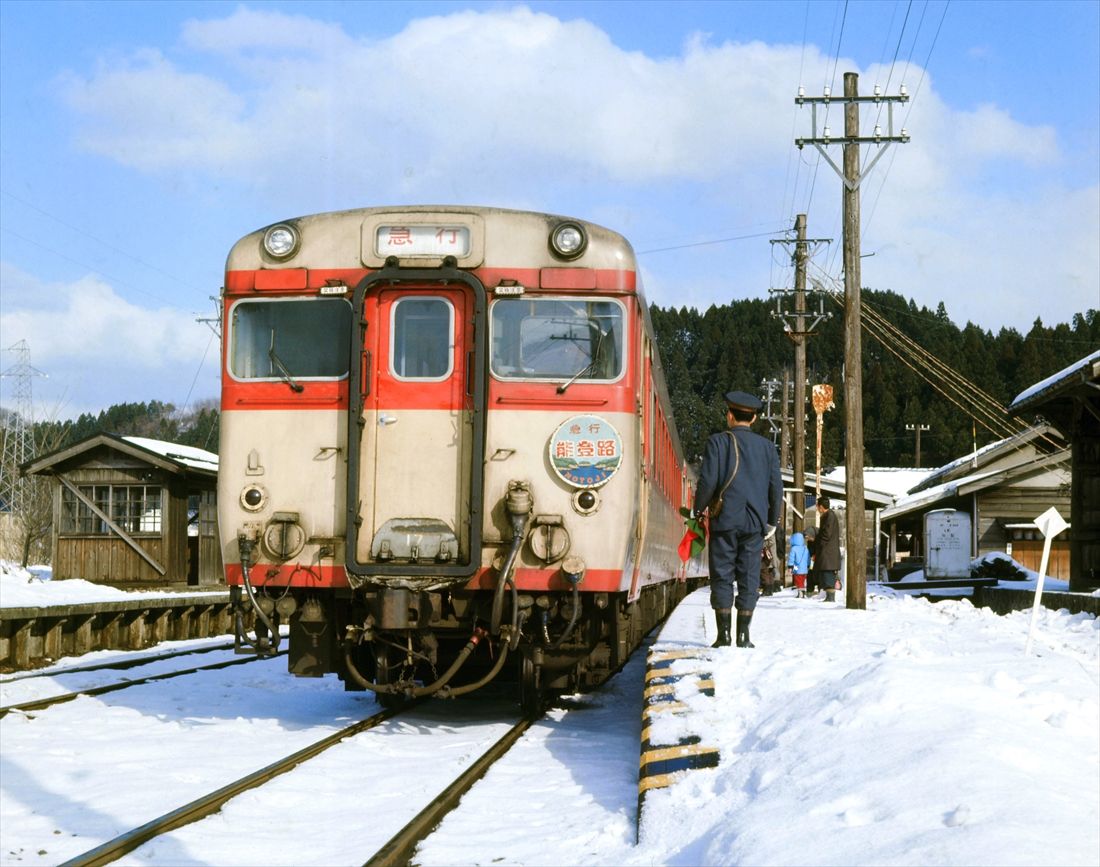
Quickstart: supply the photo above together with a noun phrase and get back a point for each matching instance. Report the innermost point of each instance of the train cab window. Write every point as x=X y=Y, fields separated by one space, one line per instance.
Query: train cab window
x=423 y=338
x=290 y=339
x=577 y=339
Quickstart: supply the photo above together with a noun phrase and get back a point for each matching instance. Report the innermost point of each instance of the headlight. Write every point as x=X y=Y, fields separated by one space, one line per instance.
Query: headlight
x=253 y=498
x=281 y=241
x=568 y=240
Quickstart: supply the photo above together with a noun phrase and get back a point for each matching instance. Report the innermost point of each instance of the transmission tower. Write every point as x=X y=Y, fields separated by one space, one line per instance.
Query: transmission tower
x=18 y=434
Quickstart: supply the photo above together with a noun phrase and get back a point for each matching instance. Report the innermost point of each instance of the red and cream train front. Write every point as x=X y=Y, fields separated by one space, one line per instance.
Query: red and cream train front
x=446 y=443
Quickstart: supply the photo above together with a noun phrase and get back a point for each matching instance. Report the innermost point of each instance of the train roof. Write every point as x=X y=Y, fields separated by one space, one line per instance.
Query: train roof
x=344 y=239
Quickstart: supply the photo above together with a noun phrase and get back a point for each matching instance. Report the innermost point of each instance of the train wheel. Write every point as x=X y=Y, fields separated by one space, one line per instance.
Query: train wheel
x=532 y=695
x=384 y=671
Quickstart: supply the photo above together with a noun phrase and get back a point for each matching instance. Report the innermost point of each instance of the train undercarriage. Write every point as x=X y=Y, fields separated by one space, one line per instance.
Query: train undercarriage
x=404 y=644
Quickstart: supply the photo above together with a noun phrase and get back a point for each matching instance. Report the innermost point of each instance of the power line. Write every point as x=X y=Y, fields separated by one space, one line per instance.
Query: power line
x=92 y=237
x=113 y=280
x=706 y=243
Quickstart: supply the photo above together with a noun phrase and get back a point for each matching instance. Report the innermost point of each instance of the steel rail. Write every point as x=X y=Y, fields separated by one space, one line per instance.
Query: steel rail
x=400 y=848
x=43 y=703
x=202 y=807
x=117 y=664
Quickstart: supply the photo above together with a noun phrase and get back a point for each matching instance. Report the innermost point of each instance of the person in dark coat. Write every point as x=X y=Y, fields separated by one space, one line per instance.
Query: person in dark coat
x=827 y=549
x=742 y=468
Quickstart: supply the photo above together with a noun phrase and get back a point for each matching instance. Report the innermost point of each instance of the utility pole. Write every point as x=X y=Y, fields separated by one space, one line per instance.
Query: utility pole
x=785 y=436
x=856 y=531
x=798 y=335
x=918 y=428
x=769 y=387
x=853 y=358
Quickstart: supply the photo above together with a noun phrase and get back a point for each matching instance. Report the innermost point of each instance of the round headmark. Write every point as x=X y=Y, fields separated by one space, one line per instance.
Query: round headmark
x=585 y=451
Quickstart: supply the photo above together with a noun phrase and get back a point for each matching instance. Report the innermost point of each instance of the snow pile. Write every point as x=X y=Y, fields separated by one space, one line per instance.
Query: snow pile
x=1010 y=575
x=33 y=588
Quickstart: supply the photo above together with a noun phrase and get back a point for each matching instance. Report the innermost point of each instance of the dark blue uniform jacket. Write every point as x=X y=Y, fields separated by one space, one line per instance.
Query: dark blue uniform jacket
x=754 y=498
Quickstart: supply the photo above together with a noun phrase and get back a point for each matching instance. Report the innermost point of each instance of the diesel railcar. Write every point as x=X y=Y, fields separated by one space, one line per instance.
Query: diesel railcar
x=446 y=450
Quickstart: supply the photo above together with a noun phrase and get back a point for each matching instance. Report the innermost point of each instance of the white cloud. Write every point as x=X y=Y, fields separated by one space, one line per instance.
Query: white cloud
x=989 y=131
x=247 y=29
x=515 y=107
x=87 y=321
x=150 y=115
x=90 y=341
x=465 y=90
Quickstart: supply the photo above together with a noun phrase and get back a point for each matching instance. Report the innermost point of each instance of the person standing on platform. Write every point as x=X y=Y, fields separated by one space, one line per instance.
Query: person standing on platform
x=799 y=561
x=827 y=549
x=741 y=489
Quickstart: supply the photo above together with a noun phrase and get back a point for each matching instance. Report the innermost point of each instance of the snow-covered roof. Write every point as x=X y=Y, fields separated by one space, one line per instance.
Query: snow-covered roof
x=876 y=491
x=199 y=459
x=881 y=485
x=913 y=502
x=985 y=454
x=1086 y=369
x=894 y=481
x=173 y=457
x=976 y=481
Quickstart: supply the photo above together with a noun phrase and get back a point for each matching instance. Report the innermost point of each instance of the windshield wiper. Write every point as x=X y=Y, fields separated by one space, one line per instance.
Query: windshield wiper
x=587 y=367
x=283 y=372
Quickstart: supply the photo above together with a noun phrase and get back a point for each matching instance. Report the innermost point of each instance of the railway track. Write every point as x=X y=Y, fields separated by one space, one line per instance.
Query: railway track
x=43 y=703
x=397 y=851
x=119 y=665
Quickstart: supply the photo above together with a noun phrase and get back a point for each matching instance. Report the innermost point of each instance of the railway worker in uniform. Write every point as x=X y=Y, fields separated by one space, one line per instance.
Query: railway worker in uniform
x=741 y=489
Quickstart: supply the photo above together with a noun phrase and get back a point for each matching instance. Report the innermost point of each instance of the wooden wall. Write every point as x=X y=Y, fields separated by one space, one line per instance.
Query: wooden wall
x=107 y=558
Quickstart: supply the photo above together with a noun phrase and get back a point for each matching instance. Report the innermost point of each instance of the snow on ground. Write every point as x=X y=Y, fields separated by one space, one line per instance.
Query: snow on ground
x=33 y=588
x=909 y=733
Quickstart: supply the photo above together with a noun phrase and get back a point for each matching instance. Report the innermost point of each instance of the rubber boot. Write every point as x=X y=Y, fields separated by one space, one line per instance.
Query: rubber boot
x=724 y=620
x=744 y=618
x=830 y=596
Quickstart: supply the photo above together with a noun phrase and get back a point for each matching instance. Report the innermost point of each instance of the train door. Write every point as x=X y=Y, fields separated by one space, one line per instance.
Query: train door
x=647 y=425
x=414 y=477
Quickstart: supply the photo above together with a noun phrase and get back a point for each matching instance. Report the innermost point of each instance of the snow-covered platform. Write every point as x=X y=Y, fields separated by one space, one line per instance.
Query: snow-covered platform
x=42 y=620
x=903 y=733
x=678 y=683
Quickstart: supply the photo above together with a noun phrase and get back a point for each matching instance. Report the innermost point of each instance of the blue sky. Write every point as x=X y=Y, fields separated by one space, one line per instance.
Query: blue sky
x=139 y=140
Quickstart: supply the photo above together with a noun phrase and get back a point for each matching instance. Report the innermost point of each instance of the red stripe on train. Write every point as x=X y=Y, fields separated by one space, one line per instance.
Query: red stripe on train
x=299 y=279
x=328 y=577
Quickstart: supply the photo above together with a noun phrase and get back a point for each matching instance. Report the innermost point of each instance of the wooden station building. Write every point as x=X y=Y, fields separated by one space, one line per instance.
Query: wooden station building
x=131 y=511
x=1070 y=399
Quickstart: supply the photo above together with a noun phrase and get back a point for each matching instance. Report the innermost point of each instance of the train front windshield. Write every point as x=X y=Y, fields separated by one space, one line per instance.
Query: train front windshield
x=556 y=338
x=290 y=339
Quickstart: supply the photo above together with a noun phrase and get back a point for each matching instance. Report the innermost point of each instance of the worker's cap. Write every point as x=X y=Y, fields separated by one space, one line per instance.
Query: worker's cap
x=744 y=401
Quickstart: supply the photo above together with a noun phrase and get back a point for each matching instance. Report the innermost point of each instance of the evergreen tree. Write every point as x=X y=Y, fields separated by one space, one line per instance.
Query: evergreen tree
x=738 y=345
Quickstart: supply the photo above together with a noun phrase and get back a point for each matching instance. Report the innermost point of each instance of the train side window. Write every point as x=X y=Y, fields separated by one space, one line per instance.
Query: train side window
x=423 y=338
x=297 y=338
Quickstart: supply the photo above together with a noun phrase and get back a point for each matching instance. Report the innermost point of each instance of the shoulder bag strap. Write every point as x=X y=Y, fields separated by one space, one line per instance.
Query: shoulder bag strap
x=736 y=465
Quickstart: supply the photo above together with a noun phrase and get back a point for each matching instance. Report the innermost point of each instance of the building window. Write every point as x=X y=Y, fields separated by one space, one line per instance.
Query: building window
x=136 y=509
